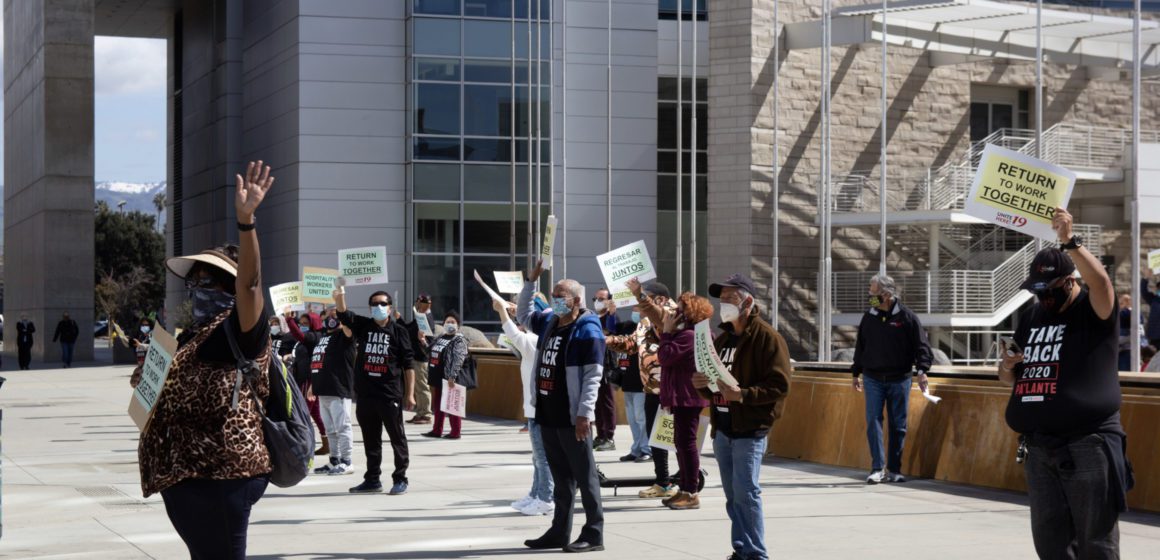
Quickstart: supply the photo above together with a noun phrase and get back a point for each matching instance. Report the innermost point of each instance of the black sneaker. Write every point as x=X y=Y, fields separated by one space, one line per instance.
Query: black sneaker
x=628 y=458
x=644 y=458
x=367 y=487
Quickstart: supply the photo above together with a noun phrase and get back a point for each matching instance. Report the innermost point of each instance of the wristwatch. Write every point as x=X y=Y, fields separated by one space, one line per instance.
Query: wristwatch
x=1074 y=243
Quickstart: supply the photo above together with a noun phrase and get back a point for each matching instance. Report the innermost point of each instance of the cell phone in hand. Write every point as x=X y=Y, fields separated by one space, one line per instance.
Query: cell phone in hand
x=1010 y=345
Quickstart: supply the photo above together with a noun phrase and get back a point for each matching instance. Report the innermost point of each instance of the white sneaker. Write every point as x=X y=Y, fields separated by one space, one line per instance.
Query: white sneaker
x=341 y=469
x=876 y=477
x=895 y=477
x=537 y=507
x=523 y=502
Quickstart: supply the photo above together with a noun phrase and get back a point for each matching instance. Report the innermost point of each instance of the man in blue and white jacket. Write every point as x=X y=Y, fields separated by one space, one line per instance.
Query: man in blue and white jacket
x=569 y=365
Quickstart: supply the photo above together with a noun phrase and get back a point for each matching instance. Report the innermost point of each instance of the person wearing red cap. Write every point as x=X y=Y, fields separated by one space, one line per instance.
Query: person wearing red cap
x=1065 y=401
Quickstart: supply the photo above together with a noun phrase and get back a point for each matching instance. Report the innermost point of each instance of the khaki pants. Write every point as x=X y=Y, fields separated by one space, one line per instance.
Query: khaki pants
x=422 y=391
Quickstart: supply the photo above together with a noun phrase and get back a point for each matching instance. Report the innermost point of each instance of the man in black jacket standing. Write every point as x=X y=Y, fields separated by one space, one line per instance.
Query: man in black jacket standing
x=67 y=332
x=891 y=341
x=24 y=331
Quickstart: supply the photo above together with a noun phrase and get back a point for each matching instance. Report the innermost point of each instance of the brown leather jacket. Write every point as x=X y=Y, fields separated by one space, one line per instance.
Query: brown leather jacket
x=762 y=369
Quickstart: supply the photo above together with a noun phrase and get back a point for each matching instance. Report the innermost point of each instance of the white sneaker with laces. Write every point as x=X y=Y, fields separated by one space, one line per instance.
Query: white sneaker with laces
x=537 y=507
x=341 y=469
x=521 y=503
x=876 y=477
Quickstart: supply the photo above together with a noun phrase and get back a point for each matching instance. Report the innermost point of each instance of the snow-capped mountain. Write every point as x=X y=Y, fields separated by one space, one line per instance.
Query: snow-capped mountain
x=136 y=196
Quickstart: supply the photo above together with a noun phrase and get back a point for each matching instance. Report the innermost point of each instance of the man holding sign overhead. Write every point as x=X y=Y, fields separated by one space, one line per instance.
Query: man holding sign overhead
x=743 y=414
x=570 y=363
x=384 y=381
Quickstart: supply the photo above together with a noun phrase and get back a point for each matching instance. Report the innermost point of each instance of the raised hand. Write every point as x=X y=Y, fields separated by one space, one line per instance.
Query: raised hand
x=251 y=190
x=1061 y=223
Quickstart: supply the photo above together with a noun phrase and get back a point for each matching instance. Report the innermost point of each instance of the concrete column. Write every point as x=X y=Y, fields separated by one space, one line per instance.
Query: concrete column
x=48 y=171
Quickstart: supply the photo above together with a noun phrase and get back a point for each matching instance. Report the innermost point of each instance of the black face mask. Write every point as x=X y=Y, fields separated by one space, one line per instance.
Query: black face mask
x=209 y=303
x=1052 y=300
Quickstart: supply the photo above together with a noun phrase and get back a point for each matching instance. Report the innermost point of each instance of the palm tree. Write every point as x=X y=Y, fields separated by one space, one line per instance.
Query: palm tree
x=159 y=203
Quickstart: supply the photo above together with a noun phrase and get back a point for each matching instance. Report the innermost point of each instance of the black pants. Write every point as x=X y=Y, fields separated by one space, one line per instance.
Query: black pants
x=25 y=355
x=212 y=516
x=660 y=456
x=572 y=465
x=373 y=414
x=1073 y=513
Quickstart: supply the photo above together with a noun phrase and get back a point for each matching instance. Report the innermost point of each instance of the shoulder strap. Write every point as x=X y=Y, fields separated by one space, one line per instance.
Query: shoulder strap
x=243 y=370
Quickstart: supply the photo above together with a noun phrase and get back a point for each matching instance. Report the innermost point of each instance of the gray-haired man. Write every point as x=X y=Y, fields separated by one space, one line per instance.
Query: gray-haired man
x=891 y=341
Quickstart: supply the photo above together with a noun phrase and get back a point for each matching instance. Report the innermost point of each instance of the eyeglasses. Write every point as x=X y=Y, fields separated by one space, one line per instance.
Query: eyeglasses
x=200 y=282
x=380 y=304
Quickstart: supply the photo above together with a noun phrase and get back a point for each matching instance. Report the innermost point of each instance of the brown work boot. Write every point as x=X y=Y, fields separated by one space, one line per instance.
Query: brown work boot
x=325 y=449
x=685 y=500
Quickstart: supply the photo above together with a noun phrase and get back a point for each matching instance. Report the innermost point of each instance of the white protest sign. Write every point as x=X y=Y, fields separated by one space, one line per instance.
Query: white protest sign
x=154 y=372
x=1019 y=192
x=286 y=295
x=453 y=401
x=423 y=323
x=1154 y=261
x=621 y=265
x=488 y=289
x=509 y=282
x=365 y=266
x=549 y=244
x=926 y=395
x=664 y=430
x=317 y=283
x=706 y=358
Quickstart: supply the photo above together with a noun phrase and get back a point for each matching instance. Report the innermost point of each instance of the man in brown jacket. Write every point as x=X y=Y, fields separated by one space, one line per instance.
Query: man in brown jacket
x=743 y=414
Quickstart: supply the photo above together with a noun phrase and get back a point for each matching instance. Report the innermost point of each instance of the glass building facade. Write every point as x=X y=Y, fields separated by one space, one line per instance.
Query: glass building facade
x=480 y=123
x=667 y=153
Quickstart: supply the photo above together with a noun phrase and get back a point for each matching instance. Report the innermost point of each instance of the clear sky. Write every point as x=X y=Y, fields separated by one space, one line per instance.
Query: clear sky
x=130 y=109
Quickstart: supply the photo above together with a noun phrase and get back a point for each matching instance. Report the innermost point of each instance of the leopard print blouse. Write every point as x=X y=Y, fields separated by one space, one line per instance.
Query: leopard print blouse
x=193 y=433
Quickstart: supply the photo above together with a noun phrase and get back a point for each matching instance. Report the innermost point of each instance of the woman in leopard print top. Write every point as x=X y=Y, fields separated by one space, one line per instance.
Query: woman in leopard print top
x=203 y=450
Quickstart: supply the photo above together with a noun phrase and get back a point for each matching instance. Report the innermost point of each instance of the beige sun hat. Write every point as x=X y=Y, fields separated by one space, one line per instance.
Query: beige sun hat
x=182 y=265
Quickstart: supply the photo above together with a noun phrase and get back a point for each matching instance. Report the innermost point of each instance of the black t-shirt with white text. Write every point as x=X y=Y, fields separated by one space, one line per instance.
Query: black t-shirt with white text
x=435 y=360
x=332 y=366
x=1068 y=383
x=552 y=406
x=384 y=353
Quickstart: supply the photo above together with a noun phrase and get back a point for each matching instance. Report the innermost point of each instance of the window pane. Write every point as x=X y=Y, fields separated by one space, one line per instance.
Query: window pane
x=476 y=302
x=667 y=88
x=436 y=108
x=487 y=110
x=436 y=228
x=488 y=8
x=441 y=69
x=522 y=112
x=493 y=71
x=487 y=182
x=1002 y=117
x=442 y=7
x=436 y=181
x=523 y=42
x=979 y=121
x=487 y=228
x=439 y=277
x=487 y=149
x=487 y=38
x=430 y=147
x=436 y=36
x=667 y=126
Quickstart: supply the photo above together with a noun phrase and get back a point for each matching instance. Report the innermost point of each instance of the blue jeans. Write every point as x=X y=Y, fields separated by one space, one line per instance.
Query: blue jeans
x=634 y=410
x=66 y=352
x=740 y=462
x=895 y=396
x=541 y=476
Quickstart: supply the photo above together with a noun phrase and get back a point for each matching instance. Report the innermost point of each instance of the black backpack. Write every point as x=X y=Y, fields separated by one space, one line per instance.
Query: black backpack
x=468 y=377
x=286 y=424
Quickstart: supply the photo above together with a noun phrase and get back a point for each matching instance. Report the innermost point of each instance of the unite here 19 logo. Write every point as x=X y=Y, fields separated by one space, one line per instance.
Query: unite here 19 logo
x=1010 y=219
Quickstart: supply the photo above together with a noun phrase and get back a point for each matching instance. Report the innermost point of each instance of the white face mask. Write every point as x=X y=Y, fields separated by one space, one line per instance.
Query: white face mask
x=145 y=329
x=451 y=328
x=275 y=330
x=599 y=305
x=729 y=312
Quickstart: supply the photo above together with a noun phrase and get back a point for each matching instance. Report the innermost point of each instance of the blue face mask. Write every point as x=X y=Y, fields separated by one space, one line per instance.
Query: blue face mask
x=560 y=306
x=636 y=316
x=380 y=313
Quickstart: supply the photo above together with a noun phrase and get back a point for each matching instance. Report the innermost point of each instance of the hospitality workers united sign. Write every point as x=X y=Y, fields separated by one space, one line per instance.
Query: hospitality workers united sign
x=1019 y=192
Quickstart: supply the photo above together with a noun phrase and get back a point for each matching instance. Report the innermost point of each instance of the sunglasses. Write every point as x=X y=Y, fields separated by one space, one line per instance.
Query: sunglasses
x=200 y=282
x=380 y=304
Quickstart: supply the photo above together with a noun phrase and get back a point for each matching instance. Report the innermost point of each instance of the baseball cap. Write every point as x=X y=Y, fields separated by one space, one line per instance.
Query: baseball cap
x=733 y=281
x=655 y=289
x=1048 y=265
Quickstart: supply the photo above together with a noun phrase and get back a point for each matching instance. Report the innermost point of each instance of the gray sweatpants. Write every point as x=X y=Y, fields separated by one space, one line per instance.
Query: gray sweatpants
x=336 y=418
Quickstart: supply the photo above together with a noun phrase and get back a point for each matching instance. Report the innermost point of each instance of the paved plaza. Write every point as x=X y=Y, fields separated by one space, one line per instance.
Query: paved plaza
x=71 y=490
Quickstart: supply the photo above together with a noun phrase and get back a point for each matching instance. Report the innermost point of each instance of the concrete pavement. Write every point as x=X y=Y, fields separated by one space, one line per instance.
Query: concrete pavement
x=71 y=490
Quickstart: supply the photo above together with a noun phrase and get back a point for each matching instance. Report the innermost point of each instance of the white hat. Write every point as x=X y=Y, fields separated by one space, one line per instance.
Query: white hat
x=182 y=265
